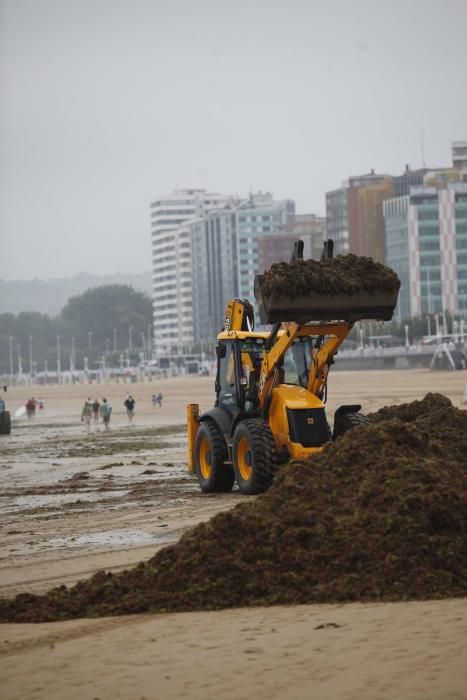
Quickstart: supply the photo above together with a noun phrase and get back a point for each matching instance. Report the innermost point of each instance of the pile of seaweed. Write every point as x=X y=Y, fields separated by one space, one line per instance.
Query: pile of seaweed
x=379 y=515
x=345 y=274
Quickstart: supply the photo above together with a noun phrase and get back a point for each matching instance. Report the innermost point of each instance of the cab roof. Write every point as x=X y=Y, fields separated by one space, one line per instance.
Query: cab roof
x=244 y=335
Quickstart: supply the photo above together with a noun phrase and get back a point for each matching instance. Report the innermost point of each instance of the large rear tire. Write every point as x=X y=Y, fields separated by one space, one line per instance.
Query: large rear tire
x=5 y=423
x=211 y=453
x=254 y=456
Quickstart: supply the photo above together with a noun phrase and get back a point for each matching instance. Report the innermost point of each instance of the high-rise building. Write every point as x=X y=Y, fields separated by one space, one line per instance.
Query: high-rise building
x=396 y=224
x=337 y=219
x=365 y=214
x=354 y=215
x=409 y=178
x=426 y=244
x=459 y=156
x=171 y=264
x=258 y=215
x=278 y=247
x=214 y=269
x=225 y=255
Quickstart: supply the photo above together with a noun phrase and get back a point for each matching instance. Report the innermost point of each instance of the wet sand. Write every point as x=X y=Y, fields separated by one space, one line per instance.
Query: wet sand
x=72 y=504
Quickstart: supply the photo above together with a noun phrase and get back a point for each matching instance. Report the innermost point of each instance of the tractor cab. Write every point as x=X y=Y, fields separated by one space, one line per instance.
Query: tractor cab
x=239 y=361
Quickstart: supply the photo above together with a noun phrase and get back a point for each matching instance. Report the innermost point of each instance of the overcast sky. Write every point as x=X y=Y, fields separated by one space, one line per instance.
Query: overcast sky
x=105 y=104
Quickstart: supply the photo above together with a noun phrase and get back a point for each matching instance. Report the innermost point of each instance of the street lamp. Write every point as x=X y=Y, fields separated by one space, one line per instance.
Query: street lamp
x=73 y=353
x=150 y=345
x=90 y=340
x=20 y=360
x=115 y=340
x=58 y=359
x=11 y=357
x=130 y=338
x=30 y=359
x=107 y=345
x=429 y=324
x=406 y=328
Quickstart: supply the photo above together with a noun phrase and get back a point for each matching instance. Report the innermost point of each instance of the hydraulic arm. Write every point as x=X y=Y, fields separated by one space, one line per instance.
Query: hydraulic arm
x=329 y=338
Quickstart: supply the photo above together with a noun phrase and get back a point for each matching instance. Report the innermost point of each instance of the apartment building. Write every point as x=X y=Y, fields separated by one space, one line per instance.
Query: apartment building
x=337 y=219
x=260 y=214
x=459 y=156
x=277 y=247
x=426 y=244
x=225 y=255
x=354 y=215
x=171 y=264
x=214 y=269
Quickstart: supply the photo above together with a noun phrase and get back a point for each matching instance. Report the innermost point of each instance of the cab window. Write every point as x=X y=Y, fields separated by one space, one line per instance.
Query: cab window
x=227 y=394
x=297 y=362
x=251 y=355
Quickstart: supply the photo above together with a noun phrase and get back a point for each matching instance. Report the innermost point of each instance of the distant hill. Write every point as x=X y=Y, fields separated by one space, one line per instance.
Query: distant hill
x=50 y=296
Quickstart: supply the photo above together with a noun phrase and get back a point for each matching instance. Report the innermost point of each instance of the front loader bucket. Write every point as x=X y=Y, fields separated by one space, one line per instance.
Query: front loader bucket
x=319 y=307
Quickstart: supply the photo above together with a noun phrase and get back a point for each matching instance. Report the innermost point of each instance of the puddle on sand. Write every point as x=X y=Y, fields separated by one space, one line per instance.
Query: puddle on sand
x=112 y=538
x=40 y=501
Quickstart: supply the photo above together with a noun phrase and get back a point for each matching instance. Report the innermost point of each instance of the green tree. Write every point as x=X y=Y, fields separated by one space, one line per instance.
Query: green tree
x=93 y=319
x=100 y=314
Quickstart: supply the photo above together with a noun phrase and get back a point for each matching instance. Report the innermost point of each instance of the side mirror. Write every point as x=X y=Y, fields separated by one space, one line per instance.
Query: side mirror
x=221 y=351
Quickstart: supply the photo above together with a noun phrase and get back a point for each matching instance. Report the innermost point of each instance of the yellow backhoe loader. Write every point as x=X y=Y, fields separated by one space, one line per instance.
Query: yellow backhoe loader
x=271 y=386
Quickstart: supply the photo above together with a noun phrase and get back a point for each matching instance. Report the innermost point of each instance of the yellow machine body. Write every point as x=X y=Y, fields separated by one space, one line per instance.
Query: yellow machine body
x=271 y=386
x=192 y=419
x=285 y=397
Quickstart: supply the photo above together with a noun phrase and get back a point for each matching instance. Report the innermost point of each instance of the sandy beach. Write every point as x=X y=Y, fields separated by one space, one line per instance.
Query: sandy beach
x=72 y=504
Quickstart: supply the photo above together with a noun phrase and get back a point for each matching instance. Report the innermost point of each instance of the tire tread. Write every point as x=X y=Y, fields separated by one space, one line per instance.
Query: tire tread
x=262 y=440
x=222 y=478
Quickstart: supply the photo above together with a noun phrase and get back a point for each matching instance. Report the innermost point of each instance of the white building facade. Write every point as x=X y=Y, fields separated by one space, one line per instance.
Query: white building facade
x=171 y=265
x=204 y=252
x=225 y=255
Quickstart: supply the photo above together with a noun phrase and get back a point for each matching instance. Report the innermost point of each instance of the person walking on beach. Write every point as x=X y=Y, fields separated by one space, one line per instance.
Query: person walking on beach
x=159 y=399
x=129 y=404
x=106 y=410
x=86 y=415
x=31 y=408
x=95 y=410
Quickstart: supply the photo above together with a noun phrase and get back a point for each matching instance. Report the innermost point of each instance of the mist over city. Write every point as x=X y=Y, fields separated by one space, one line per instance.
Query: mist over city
x=233 y=349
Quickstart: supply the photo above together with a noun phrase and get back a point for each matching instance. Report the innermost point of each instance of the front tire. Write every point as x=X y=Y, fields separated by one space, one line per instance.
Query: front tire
x=254 y=456
x=214 y=475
